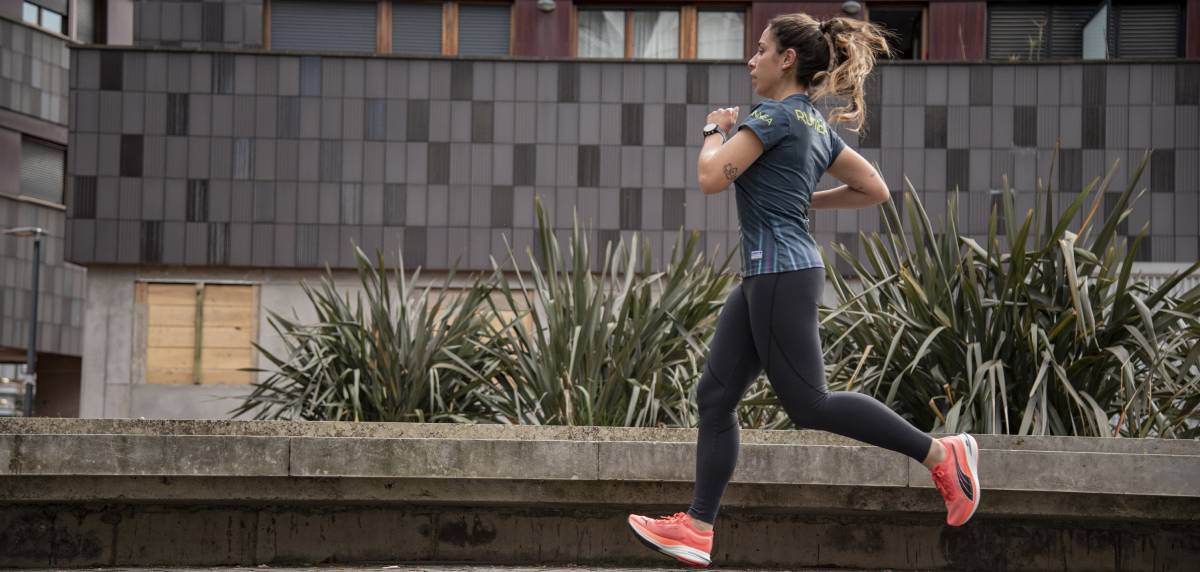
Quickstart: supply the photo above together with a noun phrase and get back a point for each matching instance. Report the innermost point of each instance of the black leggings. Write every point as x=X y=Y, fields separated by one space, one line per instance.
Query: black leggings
x=770 y=321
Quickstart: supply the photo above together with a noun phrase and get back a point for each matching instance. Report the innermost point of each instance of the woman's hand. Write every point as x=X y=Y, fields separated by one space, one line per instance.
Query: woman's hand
x=725 y=118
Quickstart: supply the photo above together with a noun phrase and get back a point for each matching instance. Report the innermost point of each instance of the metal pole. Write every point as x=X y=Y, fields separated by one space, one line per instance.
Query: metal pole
x=31 y=355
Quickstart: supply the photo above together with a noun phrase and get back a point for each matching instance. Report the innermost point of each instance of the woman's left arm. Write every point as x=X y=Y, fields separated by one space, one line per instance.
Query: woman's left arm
x=721 y=162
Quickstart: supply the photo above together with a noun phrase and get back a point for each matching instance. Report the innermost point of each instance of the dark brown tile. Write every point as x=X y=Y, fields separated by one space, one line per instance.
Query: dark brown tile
x=675 y=124
x=395 y=204
x=958 y=170
x=524 y=164
x=1025 y=126
x=935 y=127
x=630 y=209
x=131 y=155
x=588 y=166
x=418 y=120
x=1094 y=118
x=462 y=77
x=502 y=207
x=697 y=83
x=672 y=209
x=632 y=125
x=1162 y=171
x=481 y=121
x=439 y=163
x=197 y=200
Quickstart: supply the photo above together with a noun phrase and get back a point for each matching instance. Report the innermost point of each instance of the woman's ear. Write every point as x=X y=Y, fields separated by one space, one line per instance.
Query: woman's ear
x=789 y=58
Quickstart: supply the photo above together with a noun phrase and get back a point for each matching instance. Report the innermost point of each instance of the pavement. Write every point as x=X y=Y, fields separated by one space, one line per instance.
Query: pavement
x=420 y=568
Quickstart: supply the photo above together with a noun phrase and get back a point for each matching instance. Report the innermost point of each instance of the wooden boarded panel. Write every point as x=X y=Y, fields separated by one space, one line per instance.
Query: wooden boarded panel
x=230 y=326
x=171 y=332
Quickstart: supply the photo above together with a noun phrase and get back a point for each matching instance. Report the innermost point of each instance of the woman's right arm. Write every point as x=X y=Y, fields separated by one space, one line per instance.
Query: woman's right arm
x=863 y=186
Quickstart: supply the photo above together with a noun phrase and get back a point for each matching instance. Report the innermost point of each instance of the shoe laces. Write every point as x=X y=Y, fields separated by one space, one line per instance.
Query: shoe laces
x=944 y=484
x=674 y=518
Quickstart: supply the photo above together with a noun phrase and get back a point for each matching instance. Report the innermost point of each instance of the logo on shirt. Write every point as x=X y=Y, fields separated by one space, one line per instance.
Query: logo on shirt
x=813 y=121
x=756 y=255
x=761 y=116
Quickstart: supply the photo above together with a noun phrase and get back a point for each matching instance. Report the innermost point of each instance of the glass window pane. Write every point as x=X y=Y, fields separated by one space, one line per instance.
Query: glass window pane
x=416 y=28
x=52 y=21
x=31 y=13
x=42 y=171
x=483 y=30
x=85 y=21
x=656 y=35
x=720 y=36
x=601 y=34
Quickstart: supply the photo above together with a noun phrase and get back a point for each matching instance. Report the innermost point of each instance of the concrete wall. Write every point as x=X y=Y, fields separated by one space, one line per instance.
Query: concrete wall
x=114 y=382
x=277 y=493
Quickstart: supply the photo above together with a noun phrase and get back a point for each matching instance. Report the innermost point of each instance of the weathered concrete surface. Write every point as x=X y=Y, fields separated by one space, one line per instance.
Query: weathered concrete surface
x=85 y=492
x=150 y=535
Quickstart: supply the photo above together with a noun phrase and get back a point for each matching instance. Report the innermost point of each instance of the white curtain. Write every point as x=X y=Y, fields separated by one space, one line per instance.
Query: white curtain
x=601 y=34
x=656 y=34
x=720 y=36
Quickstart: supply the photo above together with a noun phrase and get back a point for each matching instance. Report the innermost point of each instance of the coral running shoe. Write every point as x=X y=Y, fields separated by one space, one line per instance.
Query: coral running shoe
x=957 y=478
x=675 y=536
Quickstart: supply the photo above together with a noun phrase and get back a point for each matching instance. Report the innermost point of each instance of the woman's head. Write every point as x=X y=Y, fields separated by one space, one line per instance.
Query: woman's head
x=832 y=57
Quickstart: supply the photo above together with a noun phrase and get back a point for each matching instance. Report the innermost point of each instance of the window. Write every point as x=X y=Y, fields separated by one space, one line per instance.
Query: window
x=681 y=33
x=199 y=333
x=42 y=171
x=483 y=29
x=722 y=35
x=47 y=14
x=1038 y=31
x=907 y=26
x=317 y=25
x=417 y=28
x=1146 y=30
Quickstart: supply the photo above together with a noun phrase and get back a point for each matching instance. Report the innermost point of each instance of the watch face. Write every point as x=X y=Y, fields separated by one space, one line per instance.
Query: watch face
x=710 y=127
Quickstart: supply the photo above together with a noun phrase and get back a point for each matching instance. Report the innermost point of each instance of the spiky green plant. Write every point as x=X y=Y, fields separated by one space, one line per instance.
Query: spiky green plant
x=392 y=352
x=621 y=347
x=1050 y=335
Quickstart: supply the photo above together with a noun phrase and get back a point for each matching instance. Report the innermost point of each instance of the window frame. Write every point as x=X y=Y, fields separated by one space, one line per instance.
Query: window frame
x=688 y=25
x=40 y=23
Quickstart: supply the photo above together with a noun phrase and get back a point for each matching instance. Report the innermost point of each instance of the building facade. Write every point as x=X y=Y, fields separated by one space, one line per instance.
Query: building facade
x=219 y=152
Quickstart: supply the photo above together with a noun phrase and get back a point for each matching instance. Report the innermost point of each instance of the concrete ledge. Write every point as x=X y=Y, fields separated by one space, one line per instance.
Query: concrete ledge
x=129 y=492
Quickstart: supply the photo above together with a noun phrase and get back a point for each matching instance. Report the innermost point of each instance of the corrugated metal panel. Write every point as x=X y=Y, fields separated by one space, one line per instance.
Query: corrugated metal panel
x=1148 y=30
x=483 y=30
x=417 y=28
x=1012 y=28
x=42 y=172
x=1066 y=29
x=319 y=26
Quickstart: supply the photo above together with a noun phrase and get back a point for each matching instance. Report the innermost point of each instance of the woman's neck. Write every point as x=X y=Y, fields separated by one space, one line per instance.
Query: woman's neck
x=783 y=91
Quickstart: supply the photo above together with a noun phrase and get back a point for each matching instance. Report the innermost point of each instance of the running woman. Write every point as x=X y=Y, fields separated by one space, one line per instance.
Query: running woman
x=769 y=321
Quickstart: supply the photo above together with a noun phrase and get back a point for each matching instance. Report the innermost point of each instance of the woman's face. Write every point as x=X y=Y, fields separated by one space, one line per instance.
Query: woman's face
x=768 y=67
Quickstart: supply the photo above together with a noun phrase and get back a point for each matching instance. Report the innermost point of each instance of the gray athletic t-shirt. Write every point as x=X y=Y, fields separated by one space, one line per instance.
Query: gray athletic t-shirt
x=774 y=192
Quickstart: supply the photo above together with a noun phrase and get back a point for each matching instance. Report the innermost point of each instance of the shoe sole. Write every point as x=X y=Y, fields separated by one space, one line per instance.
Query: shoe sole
x=685 y=554
x=973 y=464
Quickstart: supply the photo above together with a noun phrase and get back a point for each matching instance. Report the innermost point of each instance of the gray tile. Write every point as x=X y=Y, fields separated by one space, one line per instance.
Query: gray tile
x=525 y=123
x=913 y=126
x=632 y=81
x=567 y=167
x=460 y=120
x=439 y=80
x=481 y=121
x=502 y=164
x=1003 y=85
x=483 y=81
x=631 y=167
x=526 y=81
x=285 y=202
x=196 y=249
x=610 y=166
x=1139 y=127
x=331 y=118
x=935 y=170
x=505 y=86
x=332 y=77
x=914 y=85
x=673 y=166
x=241 y=201
x=891 y=81
x=981 y=85
x=1070 y=126
x=481 y=164
x=460 y=157
x=1002 y=127
x=1163 y=122
x=174 y=238
x=936 y=84
x=329 y=202
x=263 y=249
x=611 y=84
x=416 y=200
x=288 y=82
x=1026 y=90
x=546 y=160
x=547 y=82
x=547 y=123
x=568 y=123
x=1141 y=85
x=479 y=206
x=353 y=116
x=654 y=83
x=436 y=241
x=1047 y=84
x=501 y=203
x=309 y=162
x=589 y=123
x=351 y=204
x=438 y=206
x=417 y=160
x=891 y=130
x=697 y=83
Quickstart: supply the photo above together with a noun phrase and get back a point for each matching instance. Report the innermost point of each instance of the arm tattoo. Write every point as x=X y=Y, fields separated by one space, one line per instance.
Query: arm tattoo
x=731 y=172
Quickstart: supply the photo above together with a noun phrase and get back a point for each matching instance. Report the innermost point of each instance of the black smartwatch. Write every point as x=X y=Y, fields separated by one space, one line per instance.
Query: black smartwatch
x=712 y=128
